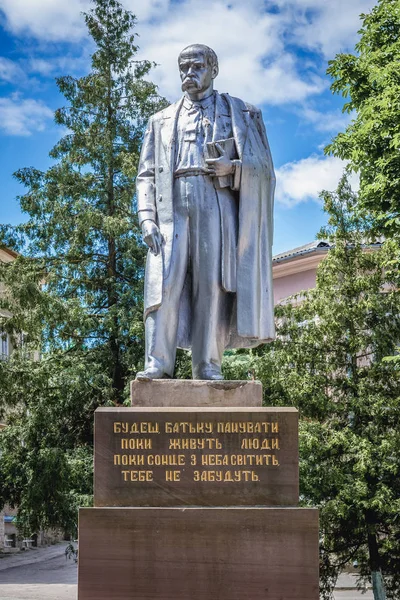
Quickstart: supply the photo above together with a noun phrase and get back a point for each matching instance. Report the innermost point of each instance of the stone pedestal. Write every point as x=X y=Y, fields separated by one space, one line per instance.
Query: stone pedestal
x=198 y=554
x=196 y=499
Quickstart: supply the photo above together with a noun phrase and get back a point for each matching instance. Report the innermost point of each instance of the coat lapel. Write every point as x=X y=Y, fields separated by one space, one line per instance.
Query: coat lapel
x=240 y=121
x=222 y=120
x=168 y=129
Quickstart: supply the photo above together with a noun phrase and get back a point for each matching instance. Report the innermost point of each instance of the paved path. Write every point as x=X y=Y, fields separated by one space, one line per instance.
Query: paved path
x=38 y=574
x=346 y=589
x=46 y=574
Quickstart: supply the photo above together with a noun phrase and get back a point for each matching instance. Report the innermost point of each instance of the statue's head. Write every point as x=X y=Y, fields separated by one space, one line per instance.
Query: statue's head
x=198 y=66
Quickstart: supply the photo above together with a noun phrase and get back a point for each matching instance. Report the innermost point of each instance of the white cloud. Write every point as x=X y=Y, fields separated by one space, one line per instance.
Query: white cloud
x=42 y=66
x=329 y=26
x=48 y=20
x=256 y=61
x=329 y=121
x=70 y=65
x=52 y=20
x=22 y=117
x=303 y=180
x=249 y=43
x=10 y=71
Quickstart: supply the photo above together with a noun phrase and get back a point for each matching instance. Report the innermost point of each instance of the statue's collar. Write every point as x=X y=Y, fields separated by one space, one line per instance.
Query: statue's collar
x=203 y=103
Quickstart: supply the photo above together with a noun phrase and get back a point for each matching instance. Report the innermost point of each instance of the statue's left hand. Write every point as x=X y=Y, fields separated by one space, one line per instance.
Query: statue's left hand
x=221 y=166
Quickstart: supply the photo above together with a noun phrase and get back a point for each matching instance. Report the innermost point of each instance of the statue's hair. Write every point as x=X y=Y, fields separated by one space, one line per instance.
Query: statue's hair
x=210 y=56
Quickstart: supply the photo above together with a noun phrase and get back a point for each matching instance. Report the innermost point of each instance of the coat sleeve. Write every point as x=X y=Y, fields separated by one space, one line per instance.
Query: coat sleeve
x=145 y=180
x=259 y=122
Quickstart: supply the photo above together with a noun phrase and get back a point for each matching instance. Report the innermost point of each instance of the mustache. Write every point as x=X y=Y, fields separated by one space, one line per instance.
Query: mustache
x=189 y=81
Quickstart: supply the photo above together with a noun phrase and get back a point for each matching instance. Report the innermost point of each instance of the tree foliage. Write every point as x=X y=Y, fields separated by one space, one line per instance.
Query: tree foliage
x=370 y=80
x=75 y=293
x=328 y=360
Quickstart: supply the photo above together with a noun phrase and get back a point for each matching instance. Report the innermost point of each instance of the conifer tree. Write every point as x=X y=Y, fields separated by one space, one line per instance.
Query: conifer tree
x=75 y=293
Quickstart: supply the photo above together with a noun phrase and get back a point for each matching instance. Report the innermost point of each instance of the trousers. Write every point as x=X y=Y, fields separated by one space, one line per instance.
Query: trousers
x=196 y=253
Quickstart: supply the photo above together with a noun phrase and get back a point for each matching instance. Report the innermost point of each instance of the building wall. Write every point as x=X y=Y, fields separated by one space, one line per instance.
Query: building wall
x=293 y=284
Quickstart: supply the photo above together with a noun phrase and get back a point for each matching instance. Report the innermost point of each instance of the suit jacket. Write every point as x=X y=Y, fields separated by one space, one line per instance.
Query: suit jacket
x=246 y=255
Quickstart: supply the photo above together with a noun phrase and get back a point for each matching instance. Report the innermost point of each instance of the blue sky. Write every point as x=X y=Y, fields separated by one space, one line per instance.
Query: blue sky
x=273 y=54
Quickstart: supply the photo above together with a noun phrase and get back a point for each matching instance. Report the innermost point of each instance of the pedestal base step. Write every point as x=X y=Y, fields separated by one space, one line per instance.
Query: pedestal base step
x=198 y=554
x=186 y=392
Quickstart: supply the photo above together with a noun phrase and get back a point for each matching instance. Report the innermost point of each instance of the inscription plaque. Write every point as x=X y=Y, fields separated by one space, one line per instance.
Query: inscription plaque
x=196 y=456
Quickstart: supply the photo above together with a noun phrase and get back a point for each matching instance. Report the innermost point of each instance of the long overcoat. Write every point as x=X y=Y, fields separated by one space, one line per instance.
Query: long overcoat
x=246 y=257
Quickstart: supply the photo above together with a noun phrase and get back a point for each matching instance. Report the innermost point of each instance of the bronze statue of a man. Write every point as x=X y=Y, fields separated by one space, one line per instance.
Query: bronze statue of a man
x=205 y=190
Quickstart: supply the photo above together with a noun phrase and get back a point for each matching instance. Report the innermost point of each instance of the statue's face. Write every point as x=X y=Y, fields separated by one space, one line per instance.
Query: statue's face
x=196 y=74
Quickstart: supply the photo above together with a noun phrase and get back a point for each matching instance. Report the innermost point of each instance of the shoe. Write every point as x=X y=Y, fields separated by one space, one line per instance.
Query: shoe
x=151 y=373
x=208 y=372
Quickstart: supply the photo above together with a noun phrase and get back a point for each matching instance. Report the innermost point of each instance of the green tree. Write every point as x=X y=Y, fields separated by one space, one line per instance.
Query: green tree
x=76 y=293
x=370 y=80
x=328 y=362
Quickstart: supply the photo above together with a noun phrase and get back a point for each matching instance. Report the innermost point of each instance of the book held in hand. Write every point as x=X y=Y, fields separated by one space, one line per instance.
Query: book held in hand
x=229 y=150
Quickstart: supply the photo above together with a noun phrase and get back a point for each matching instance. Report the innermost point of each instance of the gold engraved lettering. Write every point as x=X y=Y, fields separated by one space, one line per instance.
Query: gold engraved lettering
x=253 y=444
x=137 y=476
x=166 y=460
x=136 y=444
x=172 y=475
x=194 y=444
x=275 y=461
x=193 y=460
x=275 y=444
x=235 y=460
x=225 y=476
x=138 y=428
x=131 y=459
x=117 y=459
x=138 y=461
x=186 y=427
x=117 y=427
x=243 y=427
x=266 y=444
x=275 y=427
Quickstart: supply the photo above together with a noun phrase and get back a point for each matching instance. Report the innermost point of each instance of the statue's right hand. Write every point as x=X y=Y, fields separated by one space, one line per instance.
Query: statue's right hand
x=152 y=236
